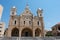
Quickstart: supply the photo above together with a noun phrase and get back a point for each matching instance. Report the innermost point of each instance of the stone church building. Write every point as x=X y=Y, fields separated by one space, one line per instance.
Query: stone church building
x=26 y=24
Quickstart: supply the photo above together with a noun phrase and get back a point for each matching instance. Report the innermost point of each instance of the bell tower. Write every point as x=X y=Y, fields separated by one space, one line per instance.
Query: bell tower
x=39 y=12
x=13 y=11
x=12 y=15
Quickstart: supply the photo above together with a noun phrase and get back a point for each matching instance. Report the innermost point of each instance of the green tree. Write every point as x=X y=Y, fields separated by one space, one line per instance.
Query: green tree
x=49 y=33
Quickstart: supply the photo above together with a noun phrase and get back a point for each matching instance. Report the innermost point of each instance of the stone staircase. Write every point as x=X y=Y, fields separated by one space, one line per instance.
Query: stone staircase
x=28 y=38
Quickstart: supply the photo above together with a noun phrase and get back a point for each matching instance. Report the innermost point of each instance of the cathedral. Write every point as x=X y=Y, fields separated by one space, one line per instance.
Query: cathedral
x=26 y=24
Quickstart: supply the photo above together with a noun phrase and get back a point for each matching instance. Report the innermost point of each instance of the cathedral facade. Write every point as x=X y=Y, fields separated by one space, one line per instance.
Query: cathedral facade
x=26 y=24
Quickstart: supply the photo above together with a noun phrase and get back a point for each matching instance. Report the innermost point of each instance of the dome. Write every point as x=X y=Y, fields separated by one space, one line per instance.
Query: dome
x=40 y=9
x=14 y=7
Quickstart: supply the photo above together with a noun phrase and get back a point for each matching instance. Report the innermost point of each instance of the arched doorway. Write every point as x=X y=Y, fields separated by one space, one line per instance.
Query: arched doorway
x=58 y=34
x=26 y=32
x=37 y=32
x=15 y=32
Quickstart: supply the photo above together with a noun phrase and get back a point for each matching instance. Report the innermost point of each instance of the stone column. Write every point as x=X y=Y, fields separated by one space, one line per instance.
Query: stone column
x=9 y=33
x=19 y=33
x=33 y=33
x=40 y=35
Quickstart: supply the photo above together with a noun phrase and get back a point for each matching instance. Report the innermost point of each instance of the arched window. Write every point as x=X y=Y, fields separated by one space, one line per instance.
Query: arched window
x=38 y=22
x=29 y=22
x=24 y=22
x=40 y=14
x=12 y=13
x=15 y=22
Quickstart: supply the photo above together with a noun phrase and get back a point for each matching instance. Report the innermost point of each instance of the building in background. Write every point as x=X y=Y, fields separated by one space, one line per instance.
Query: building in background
x=56 y=30
x=2 y=25
x=1 y=11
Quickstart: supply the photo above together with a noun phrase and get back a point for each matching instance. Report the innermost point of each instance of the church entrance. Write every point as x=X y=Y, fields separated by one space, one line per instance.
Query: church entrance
x=37 y=32
x=15 y=32
x=58 y=34
x=26 y=32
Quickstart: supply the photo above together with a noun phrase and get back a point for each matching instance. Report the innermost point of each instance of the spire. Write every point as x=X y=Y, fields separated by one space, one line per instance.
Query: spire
x=27 y=6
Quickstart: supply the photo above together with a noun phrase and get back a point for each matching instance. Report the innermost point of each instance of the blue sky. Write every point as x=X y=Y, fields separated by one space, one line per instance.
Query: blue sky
x=51 y=10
